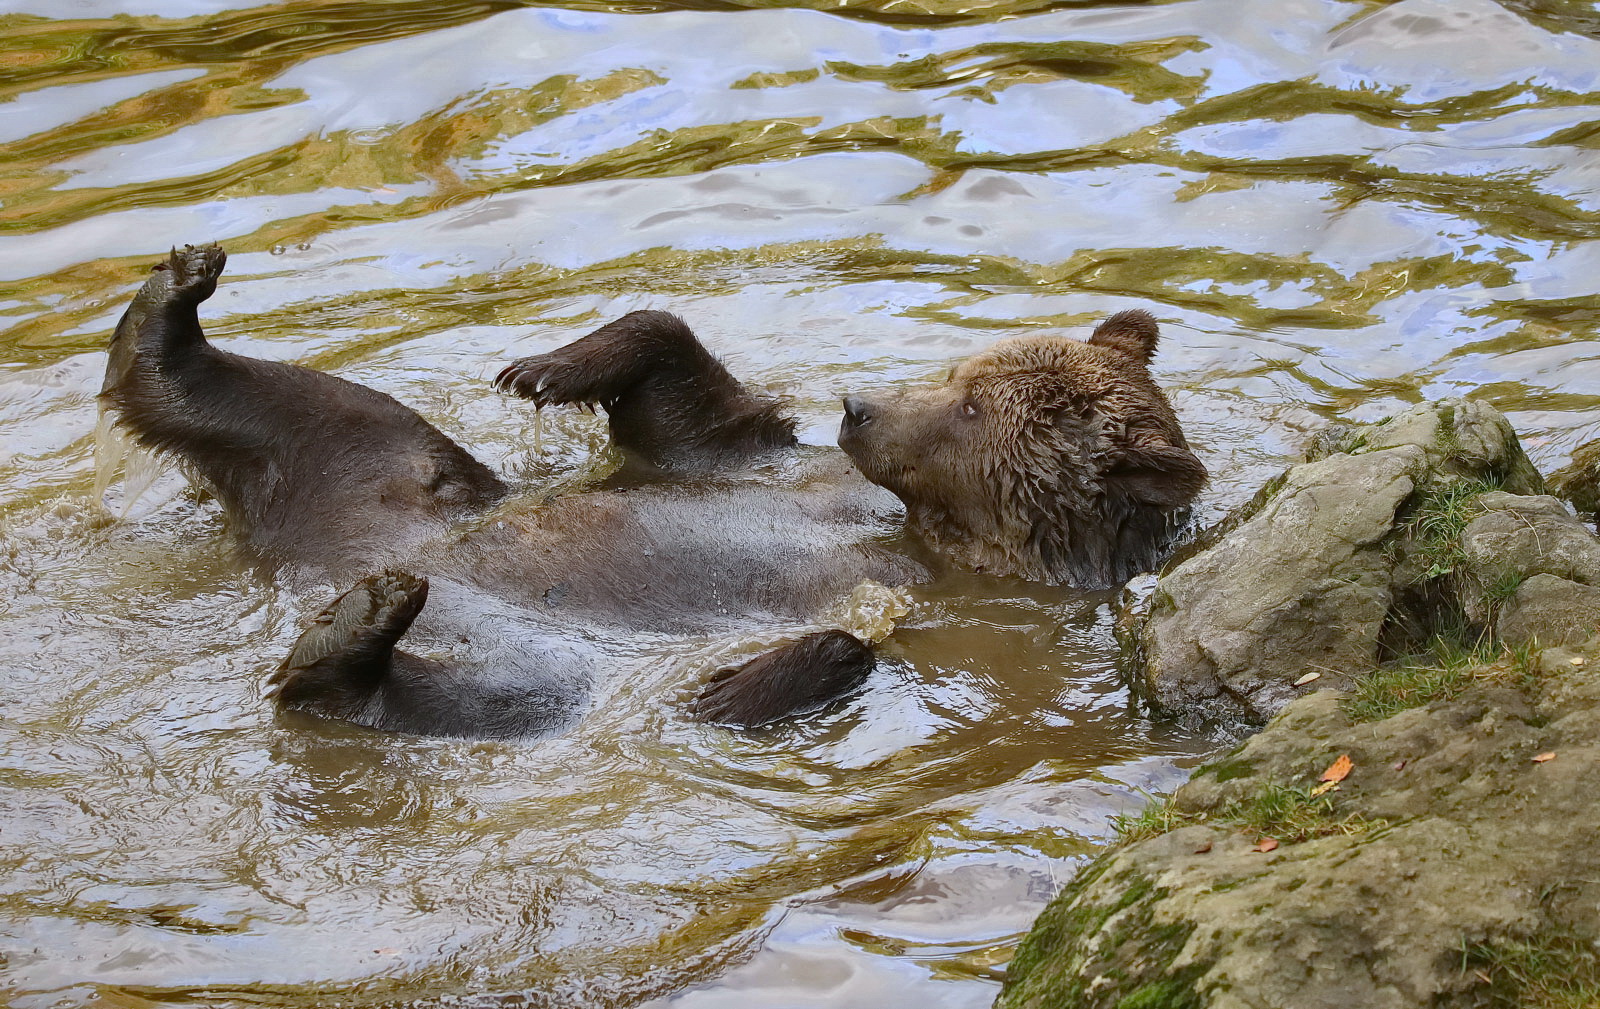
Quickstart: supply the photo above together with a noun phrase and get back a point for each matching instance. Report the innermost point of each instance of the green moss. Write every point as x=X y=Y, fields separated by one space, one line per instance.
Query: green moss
x=1093 y=952
x=1098 y=945
x=1136 y=892
x=1228 y=770
x=1171 y=994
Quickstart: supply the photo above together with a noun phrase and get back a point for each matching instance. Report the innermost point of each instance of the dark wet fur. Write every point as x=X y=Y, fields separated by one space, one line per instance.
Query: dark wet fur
x=670 y=403
x=333 y=477
x=1052 y=459
x=300 y=459
x=801 y=676
x=330 y=476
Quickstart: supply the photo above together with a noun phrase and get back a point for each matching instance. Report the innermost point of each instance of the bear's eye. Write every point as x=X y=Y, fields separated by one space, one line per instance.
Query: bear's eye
x=969 y=409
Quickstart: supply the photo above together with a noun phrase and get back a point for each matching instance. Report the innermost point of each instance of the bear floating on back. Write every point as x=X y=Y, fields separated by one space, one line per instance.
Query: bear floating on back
x=1047 y=458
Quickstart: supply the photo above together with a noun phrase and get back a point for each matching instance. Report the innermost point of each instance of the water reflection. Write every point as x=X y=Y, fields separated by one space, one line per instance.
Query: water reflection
x=1334 y=207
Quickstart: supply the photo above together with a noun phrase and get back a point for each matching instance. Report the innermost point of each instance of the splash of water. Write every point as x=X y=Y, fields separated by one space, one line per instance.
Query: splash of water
x=872 y=610
x=115 y=452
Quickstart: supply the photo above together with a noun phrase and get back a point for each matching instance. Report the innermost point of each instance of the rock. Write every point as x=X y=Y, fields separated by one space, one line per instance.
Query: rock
x=1304 y=585
x=1579 y=480
x=1322 y=571
x=1530 y=571
x=1529 y=535
x=1464 y=439
x=1448 y=852
x=1549 y=610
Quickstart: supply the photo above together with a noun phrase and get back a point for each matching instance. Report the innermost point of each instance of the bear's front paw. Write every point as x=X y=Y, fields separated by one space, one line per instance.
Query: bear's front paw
x=548 y=381
x=190 y=274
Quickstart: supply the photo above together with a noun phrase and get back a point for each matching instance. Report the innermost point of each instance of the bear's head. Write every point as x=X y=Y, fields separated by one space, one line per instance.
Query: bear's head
x=1053 y=459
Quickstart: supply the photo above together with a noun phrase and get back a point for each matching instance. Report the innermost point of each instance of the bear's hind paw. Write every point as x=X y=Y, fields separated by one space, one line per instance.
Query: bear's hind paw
x=801 y=676
x=350 y=643
x=190 y=273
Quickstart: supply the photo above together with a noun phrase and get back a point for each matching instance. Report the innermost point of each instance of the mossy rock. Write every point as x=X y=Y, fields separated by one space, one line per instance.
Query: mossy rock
x=1329 y=569
x=1450 y=868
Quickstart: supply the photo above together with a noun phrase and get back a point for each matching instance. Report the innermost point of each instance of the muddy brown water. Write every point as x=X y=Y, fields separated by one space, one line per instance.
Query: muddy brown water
x=1337 y=208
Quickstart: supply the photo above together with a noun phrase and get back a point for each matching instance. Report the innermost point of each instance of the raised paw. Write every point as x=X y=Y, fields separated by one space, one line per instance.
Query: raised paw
x=601 y=368
x=189 y=274
x=548 y=380
x=800 y=676
x=348 y=646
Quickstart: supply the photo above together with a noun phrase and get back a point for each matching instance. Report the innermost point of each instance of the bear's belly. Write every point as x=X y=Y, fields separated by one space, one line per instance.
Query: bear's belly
x=674 y=560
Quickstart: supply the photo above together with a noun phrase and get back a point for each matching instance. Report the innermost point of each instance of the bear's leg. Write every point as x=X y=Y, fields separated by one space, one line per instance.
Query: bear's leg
x=517 y=683
x=670 y=403
x=162 y=325
x=309 y=467
x=801 y=676
x=341 y=660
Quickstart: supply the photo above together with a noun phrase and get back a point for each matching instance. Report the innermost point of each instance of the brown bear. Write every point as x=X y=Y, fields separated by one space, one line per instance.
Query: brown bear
x=1048 y=458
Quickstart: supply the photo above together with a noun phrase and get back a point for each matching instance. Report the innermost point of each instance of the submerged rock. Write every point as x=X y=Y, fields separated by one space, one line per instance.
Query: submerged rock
x=1333 y=564
x=1454 y=866
x=1579 y=480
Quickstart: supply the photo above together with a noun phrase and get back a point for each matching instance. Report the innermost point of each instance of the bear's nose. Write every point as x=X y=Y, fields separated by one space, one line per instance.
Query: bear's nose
x=857 y=411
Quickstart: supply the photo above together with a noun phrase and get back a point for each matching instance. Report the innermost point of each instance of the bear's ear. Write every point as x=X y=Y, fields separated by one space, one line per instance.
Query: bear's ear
x=1133 y=332
x=1162 y=476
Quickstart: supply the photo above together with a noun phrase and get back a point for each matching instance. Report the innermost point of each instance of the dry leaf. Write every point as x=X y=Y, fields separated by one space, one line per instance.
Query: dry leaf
x=1577 y=661
x=1265 y=844
x=1203 y=848
x=1541 y=758
x=1326 y=786
x=1307 y=678
x=1339 y=769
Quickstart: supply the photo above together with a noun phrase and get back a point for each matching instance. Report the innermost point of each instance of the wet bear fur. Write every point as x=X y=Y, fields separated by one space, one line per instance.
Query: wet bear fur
x=1054 y=459
x=1046 y=458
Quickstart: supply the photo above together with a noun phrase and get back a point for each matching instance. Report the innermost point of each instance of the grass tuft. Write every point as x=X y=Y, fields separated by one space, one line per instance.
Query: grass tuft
x=1445 y=668
x=1286 y=814
x=1438 y=520
x=1157 y=817
x=1560 y=971
x=1290 y=814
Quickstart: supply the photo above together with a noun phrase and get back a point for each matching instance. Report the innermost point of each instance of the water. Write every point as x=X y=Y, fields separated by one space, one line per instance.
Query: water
x=1336 y=208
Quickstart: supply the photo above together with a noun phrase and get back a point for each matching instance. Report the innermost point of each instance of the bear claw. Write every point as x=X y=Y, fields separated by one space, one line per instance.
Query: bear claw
x=543 y=380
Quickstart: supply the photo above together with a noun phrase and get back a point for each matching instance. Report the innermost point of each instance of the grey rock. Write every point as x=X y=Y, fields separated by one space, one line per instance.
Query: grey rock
x=1543 y=556
x=1303 y=586
x=1446 y=836
x=1530 y=536
x=1317 y=573
x=1547 y=610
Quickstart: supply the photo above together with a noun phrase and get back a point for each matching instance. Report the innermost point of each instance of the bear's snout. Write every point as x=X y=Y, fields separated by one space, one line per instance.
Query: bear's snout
x=857 y=411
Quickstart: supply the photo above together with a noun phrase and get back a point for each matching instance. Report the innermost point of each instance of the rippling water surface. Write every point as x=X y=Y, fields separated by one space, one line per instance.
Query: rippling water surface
x=1335 y=208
